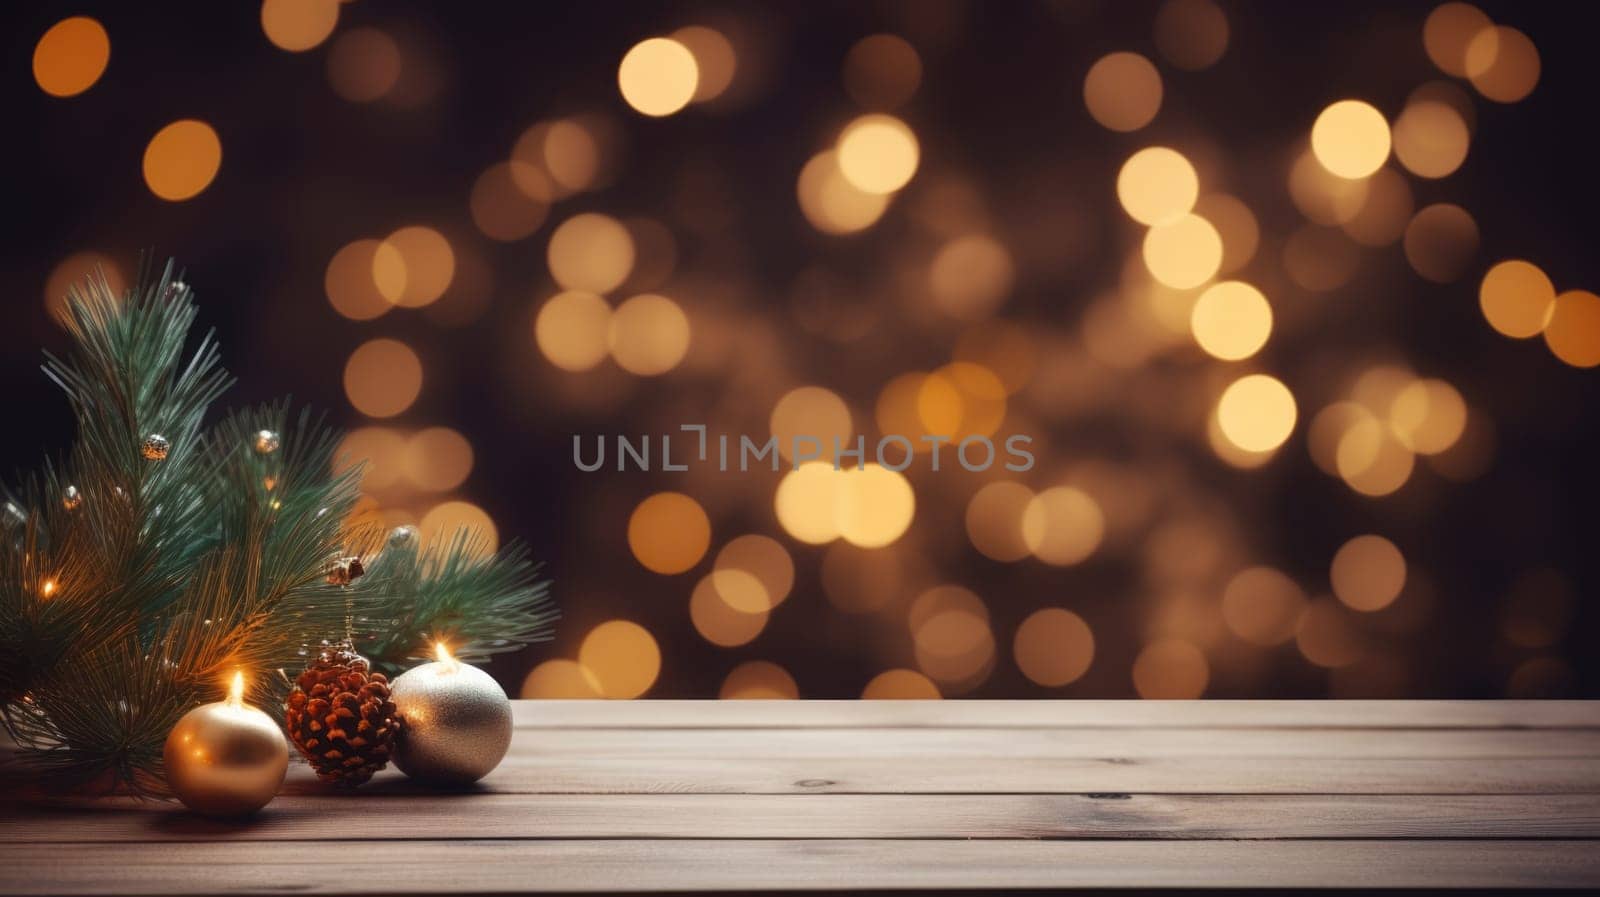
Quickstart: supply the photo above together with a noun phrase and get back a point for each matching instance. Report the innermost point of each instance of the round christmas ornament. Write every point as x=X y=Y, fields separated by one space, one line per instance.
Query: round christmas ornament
x=456 y=722
x=345 y=570
x=226 y=758
x=341 y=717
x=402 y=536
x=71 y=498
x=267 y=442
x=155 y=447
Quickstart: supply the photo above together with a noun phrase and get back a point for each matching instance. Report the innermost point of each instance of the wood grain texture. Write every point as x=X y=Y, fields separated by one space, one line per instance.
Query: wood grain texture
x=832 y=816
x=409 y=867
x=751 y=796
x=1047 y=714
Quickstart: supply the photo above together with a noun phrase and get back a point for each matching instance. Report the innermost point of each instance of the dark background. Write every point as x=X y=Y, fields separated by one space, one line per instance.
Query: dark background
x=305 y=172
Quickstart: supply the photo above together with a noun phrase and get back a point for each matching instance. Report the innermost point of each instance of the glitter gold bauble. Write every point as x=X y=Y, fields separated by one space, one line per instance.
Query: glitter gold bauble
x=71 y=498
x=155 y=447
x=455 y=722
x=226 y=758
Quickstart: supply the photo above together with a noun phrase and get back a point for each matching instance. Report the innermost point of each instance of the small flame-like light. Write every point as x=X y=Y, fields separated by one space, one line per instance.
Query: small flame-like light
x=444 y=655
x=47 y=588
x=236 y=690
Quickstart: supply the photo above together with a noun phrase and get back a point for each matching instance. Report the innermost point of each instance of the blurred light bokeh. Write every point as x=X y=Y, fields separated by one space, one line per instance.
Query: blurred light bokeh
x=1296 y=302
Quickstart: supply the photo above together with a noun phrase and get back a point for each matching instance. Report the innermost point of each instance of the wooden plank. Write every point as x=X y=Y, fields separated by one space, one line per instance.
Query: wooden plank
x=835 y=816
x=1133 y=743
x=1058 y=713
x=641 y=774
x=489 y=866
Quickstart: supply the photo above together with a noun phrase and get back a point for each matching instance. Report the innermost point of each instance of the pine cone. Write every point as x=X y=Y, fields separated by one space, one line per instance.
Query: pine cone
x=341 y=718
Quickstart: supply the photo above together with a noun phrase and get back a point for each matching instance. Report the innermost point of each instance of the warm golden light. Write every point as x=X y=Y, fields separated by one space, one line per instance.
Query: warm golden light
x=47 y=588
x=1183 y=254
x=758 y=680
x=714 y=60
x=71 y=56
x=1441 y=241
x=1122 y=91
x=1262 y=606
x=1385 y=211
x=1170 y=669
x=1517 y=298
x=425 y=257
x=501 y=209
x=900 y=685
x=298 y=25
x=878 y=153
x=1368 y=573
x=1322 y=196
x=573 y=330
x=648 y=335
x=753 y=573
x=1191 y=34
x=352 y=290
x=994 y=520
x=970 y=276
x=717 y=619
x=364 y=65
x=71 y=272
x=1430 y=139
x=1157 y=185
x=622 y=657
x=873 y=505
x=1053 y=647
x=831 y=203
x=444 y=521
x=1062 y=525
x=1231 y=320
x=1503 y=64
x=1428 y=416
x=560 y=678
x=813 y=419
x=438 y=459
x=1256 y=413
x=882 y=71
x=590 y=252
x=1236 y=224
x=658 y=76
x=1573 y=333
x=1447 y=32
x=236 y=689
x=383 y=377
x=1351 y=139
x=669 y=533
x=182 y=159
x=806 y=501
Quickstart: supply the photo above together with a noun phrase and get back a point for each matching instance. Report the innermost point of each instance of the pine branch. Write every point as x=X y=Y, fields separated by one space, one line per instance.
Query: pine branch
x=131 y=587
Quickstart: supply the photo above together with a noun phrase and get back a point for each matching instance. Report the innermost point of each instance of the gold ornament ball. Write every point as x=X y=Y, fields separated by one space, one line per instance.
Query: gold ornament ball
x=226 y=759
x=267 y=442
x=455 y=723
x=155 y=447
x=71 y=498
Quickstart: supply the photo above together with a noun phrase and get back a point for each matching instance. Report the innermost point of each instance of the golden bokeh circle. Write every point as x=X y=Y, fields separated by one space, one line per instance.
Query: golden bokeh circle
x=1517 y=298
x=71 y=56
x=182 y=159
x=622 y=657
x=1053 y=647
x=669 y=533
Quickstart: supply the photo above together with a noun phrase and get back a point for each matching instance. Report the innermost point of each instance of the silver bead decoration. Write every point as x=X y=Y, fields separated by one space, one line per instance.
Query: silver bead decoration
x=402 y=536
x=267 y=442
x=456 y=723
x=155 y=447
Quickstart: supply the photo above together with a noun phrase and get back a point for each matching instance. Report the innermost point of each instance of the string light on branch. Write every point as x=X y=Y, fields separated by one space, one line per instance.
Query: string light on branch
x=155 y=447
x=71 y=498
x=267 y=442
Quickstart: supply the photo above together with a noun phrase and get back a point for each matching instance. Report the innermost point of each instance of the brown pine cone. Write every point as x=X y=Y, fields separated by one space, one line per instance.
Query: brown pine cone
x=341 y=718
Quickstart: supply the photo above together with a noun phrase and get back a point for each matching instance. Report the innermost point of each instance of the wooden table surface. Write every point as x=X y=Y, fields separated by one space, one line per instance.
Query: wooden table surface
x=750 y=796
